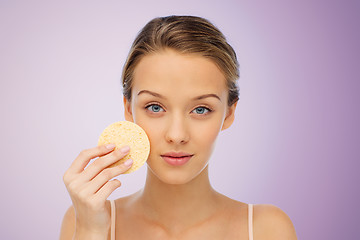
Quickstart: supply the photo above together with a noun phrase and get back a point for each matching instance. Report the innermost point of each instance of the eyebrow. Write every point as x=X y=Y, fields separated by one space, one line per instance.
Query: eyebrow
x=195 y=98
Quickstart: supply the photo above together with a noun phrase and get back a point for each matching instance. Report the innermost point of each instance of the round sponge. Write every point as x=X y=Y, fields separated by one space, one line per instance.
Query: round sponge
x=127 y=133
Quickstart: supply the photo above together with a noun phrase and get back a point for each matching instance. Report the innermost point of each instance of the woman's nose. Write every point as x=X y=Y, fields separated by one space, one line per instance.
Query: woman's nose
x=177 y=131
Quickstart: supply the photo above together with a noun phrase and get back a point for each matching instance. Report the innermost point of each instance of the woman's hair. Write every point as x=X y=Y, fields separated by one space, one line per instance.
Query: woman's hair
x=188 y=35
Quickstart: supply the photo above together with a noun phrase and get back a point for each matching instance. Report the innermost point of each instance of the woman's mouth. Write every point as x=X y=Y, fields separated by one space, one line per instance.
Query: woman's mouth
x=177 y=158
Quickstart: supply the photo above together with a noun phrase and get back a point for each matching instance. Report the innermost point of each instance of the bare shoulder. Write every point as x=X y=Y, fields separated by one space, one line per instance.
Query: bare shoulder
x=68 y=224
x=270 y=222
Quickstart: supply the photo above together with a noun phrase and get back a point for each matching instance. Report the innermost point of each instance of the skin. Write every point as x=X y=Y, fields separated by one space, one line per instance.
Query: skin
x=176 y=202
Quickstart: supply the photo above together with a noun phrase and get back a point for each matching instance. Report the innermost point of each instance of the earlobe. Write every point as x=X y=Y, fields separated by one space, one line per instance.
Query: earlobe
x=127 y=110
x=230 y=117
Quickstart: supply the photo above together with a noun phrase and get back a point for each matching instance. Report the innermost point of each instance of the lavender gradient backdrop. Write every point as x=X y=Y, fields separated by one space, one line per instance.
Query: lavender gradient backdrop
x=295 y=141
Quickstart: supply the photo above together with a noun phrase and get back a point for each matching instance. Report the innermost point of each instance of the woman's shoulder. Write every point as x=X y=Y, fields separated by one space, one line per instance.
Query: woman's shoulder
x=68 y=224
x=123 y=202
x=270 y=222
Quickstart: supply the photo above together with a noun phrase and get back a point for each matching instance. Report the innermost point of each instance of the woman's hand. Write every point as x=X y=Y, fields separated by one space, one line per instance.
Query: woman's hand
x=90 y=187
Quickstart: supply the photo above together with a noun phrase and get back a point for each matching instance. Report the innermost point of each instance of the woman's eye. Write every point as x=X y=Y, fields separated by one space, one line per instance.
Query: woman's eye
x=201 y=110
x=154 y=108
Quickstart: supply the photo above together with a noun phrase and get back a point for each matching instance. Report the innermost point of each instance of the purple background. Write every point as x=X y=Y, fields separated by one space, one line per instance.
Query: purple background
x=295 y=141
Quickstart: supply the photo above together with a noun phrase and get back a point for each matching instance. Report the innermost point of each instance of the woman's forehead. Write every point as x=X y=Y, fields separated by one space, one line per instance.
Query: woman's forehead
x=171 y=70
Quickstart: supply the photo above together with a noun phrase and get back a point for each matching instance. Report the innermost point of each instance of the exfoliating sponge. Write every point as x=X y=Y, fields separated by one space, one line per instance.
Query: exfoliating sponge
x=127 y=133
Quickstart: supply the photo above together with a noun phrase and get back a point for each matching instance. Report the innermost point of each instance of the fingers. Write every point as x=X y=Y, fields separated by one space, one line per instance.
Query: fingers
x=86 y=155
x=101 y=163
x=98 y=183
x=89 y=185
x=97 y=190
x=108 y=188
x=87 y=182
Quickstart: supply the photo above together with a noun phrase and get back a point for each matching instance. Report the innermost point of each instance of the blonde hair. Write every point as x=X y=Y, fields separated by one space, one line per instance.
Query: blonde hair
x=185 y=34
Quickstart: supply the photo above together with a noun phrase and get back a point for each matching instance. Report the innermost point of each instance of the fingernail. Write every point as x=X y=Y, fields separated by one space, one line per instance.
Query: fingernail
x=128 y=162
x=125 y=149
x=110 y=146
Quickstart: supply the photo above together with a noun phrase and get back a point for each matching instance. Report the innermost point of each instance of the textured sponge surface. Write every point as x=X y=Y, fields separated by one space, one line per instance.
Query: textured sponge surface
x=127 y=133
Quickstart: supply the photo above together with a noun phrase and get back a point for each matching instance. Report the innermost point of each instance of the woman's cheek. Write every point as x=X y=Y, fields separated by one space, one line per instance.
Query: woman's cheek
x=152 y=126
x=209 y=127
x=204 y=135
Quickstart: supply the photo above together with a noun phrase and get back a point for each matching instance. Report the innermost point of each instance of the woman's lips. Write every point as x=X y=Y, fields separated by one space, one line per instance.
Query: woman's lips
x=177 y=159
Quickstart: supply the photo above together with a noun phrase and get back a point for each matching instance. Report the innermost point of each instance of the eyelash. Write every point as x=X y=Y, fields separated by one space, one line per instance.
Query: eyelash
x=209 y=110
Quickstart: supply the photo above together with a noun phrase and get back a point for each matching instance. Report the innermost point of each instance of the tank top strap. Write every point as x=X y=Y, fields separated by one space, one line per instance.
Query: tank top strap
x=250 y=221
x=112 y=217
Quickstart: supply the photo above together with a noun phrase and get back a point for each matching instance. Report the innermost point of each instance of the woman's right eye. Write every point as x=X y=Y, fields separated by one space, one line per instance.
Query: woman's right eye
x=154 y=108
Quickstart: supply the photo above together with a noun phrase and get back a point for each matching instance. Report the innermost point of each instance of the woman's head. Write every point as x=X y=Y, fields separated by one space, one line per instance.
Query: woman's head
x=187 y=35
x=179 y=86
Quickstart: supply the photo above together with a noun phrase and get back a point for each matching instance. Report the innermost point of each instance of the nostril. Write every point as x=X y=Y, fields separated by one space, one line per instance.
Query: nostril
x=178 y=138
x=176 y=132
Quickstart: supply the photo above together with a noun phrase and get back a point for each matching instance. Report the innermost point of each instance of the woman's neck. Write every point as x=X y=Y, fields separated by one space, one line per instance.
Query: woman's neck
x=178 y=207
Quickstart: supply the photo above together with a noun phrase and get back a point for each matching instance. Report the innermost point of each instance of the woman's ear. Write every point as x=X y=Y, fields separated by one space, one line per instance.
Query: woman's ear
x=128 y=111
x=230 y=116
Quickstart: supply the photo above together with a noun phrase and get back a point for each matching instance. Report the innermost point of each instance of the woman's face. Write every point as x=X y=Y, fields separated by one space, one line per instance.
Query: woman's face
x=181 y=103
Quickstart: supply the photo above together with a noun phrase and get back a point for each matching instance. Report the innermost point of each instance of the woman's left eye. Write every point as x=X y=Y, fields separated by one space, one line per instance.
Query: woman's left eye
x=201 y=110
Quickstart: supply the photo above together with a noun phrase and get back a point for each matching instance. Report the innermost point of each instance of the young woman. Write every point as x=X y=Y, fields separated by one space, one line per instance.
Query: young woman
x=180 y=86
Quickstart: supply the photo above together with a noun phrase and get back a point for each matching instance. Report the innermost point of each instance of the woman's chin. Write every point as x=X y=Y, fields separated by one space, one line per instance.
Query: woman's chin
x=173 y=176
